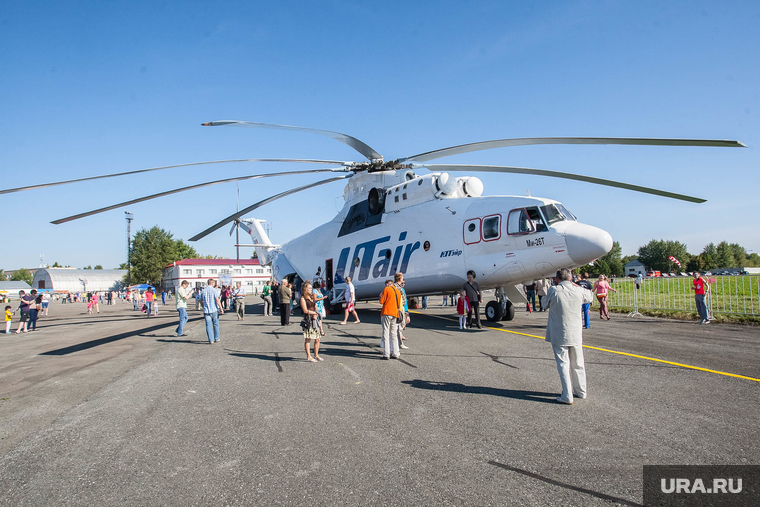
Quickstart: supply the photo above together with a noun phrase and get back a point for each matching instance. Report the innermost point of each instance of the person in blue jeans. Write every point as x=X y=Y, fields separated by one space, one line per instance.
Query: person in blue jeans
x=212 y=307
x=530 y=295
x=583 y=282
x=183 y=294
x=33 y=311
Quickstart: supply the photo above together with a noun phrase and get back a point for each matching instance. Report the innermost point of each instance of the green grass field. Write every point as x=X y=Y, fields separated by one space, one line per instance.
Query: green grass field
x=729 y=294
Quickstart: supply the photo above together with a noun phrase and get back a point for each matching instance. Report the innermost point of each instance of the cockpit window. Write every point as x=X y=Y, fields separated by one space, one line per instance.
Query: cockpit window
x=519 y=222
x=566 y=212
x=552 y=214
x=535 y=217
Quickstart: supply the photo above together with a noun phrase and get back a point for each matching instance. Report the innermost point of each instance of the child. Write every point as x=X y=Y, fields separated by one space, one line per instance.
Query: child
x=8 y=318
x=463 y=306
x=90 y=304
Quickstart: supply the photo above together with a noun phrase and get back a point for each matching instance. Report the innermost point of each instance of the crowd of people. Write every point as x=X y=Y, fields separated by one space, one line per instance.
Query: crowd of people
x=538 y=289
x=566 y=297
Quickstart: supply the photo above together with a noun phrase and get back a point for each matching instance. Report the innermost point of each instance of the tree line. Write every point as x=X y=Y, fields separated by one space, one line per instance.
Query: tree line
x=655 y=255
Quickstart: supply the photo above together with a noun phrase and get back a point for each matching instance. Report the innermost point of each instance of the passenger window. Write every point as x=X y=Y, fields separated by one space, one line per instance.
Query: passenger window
x=471 y=231
x=519 y=222
x=492 y=228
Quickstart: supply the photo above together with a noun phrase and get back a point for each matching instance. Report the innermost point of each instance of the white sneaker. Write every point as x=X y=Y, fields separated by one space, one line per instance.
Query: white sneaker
x=706 y=322
x=404 y=346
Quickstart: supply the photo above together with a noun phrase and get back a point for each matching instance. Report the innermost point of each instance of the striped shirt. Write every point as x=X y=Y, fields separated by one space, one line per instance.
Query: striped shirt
x=208 y=296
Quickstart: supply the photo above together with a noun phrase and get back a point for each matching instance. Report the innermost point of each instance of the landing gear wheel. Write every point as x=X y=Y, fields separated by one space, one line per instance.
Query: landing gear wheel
x=494 y=312
x=510 y=313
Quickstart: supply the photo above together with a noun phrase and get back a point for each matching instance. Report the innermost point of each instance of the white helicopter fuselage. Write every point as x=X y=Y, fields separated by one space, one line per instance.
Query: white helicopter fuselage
x=435 y=242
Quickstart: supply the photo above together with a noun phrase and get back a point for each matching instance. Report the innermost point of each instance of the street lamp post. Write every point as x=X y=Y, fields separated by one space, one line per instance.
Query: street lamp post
x=129 y=217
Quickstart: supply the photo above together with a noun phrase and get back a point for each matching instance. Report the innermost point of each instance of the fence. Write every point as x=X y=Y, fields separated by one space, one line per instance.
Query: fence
x=738 y=294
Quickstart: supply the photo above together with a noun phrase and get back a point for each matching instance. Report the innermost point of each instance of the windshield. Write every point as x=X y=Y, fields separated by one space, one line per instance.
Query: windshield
x=552 y=214
x=566 y=212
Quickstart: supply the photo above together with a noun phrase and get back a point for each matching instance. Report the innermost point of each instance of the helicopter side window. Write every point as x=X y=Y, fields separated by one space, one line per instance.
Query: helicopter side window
x=552 y=214
x=471 y=231
x=492 y=228
x=519 y=222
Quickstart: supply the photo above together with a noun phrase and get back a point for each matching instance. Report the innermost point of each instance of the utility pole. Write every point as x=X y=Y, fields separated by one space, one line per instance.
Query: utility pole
x=129 y=217
x=237 y=228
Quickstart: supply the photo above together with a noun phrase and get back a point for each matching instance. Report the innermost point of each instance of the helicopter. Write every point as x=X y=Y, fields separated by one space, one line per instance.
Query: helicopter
x=432 y=227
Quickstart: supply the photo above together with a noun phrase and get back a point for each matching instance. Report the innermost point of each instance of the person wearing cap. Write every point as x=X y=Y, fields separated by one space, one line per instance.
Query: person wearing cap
x=563 y=330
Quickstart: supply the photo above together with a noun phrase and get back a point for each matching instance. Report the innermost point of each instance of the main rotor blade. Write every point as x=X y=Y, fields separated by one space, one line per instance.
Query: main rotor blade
x=353 y=142
x=298 y=160
x=191 y=187
x=557 y=174
x=503 y=143
x=261 y=203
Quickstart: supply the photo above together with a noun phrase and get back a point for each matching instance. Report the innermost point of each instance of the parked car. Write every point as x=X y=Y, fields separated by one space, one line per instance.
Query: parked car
x=684 y=274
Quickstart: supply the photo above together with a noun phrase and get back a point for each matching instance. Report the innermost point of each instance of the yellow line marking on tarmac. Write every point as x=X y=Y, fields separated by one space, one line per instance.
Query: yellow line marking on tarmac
x=641 y=357
x=617 y=352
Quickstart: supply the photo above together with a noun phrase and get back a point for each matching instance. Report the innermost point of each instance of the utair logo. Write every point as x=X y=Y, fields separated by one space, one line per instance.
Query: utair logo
x=451 y=253
x=389 y=260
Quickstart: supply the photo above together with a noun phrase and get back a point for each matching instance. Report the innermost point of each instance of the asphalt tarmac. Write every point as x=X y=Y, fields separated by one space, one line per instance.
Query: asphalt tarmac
x=112 y=409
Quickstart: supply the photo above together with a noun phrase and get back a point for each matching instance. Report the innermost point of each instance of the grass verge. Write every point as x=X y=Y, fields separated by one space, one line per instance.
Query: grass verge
x=721 y=318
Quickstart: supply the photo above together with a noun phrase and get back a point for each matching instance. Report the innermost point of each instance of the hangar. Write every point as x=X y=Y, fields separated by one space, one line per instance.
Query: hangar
x=78 y=280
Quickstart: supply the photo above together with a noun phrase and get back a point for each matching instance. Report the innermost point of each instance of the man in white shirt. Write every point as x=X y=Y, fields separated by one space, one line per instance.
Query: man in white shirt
x=563 y=331
x=350 y=297
x=238 y=295
x=183 y=294
x=45 y=302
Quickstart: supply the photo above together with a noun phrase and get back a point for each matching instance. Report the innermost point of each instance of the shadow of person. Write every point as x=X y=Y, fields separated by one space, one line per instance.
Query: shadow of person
x=265 y=357
x=491 y=391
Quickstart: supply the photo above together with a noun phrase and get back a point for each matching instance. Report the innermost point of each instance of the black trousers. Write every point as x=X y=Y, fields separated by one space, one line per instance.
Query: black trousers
x=475 y=308
x=285 y=314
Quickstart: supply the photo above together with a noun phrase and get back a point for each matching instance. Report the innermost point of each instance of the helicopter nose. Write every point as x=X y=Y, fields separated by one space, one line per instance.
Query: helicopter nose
x=586 y=243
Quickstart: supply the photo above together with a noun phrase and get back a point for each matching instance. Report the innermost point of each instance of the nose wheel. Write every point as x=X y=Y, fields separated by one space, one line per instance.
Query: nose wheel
x=501 y=309
x=494 y=313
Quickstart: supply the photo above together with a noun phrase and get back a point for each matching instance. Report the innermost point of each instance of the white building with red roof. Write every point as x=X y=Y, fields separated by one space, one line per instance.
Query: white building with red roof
x=249 y=272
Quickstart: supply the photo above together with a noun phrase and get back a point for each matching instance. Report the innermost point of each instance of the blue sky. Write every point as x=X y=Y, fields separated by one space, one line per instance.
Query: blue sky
x=98 y=87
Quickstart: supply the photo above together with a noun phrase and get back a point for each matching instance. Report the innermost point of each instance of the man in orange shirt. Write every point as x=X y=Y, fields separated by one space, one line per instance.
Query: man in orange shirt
x=391 y=301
